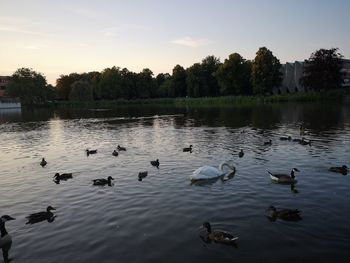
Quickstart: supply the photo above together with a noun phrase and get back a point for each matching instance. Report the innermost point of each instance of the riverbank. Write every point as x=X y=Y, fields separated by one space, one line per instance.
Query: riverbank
x=336 y=95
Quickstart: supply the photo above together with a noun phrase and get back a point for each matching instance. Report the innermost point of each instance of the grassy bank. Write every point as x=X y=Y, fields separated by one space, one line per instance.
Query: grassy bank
x=213 y=101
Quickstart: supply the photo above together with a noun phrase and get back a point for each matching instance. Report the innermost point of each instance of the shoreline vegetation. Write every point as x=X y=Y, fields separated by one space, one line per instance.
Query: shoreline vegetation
x=303 y=97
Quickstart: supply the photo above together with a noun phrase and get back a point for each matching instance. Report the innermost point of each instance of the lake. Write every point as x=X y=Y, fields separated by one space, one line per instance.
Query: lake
x=159 y=219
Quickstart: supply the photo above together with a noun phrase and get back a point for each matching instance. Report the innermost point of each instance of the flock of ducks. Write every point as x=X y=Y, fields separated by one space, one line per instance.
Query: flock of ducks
x=202 y=173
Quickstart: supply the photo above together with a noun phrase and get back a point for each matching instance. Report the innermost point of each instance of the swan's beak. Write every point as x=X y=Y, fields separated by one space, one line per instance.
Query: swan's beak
x=296 y=170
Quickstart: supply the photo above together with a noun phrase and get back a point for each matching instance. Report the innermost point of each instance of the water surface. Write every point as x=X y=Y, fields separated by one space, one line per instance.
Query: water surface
x=160 y=218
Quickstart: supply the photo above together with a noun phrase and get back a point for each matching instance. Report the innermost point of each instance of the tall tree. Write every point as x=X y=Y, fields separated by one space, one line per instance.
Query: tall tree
x=28 y=85
x=266 y=72
x=81 y=91
x=195 y=81
x=178 y=84
x=210 y=85
x=64 y=85
x=146 y=85
x=234 y=76
x=322 y=70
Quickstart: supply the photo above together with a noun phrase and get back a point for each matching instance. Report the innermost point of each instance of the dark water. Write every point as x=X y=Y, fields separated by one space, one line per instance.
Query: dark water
x=160 y=218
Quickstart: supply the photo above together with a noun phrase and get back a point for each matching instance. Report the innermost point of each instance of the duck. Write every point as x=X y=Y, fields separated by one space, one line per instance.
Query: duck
x=209 y=172
x=302 y=130
x=88 y=152
x=268 y=142
x=5 y=238
x=41 y=216
x=120 y=148
x=219 y=236
x=284 y=214
x=187 y=149
x=43 y=162
x=304 y=142
x=340 y=169
x=284 y=178
x=142 y=175
x=155 y=163
x=103 y=181
x=64 y=176
x=297 y=140
x=241 y=154
x=115 y=153
x=284 y=138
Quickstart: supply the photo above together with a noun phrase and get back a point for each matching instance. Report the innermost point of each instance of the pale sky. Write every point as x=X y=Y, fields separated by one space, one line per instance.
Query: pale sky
x=61 y=37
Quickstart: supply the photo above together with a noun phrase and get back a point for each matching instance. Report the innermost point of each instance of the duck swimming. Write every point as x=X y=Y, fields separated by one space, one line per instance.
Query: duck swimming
x=43 y=162
x=219 y=236
x=187 y=149
x=155 y=163
x=103 y=182
x=284 y=214
x=142 y=175
x=88 y=152
x=120 y=148
x=340 y=169
x=268 y=143
x=304 y=142
x=241 y=154
x=64 y=176
x=209 y=172
x=41 y=216
x=115 y=153
x=5 y=239
x=284 y=178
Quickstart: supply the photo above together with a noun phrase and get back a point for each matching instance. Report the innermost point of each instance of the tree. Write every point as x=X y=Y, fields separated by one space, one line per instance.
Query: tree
x=163 y=83
x=322 y=70
x=81 y=91
x=210 y=85
x=146 y=85
x=266 y=72
x=234 y=76
x=110 y=85
x=178 y=84
x=194 y=81
x=28 y=85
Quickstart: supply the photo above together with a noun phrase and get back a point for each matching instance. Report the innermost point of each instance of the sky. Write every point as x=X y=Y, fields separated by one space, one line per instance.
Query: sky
x=61 y=37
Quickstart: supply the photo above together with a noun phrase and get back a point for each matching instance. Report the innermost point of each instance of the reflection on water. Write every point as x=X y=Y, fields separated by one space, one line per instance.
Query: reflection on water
x=160 y=217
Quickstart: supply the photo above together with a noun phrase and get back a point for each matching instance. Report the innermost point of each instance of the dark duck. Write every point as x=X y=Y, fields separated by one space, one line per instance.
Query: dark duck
x=187 y=149
x=284 y=214
x=142 y=175
x=120 y=148
x=43 y=162
x=103 y=182
x=41 y=216
x=340 y=169
x=284 y=178
x=5 y=239
x=219 y=236
x=88 y=152
x=155 y=163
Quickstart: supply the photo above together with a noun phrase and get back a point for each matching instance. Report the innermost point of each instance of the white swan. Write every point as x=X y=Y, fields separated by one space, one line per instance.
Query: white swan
x=209 y=172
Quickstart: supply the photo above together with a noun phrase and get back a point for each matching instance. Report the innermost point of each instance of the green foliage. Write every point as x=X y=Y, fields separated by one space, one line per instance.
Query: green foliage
x=146 y=85
x=195 y=81
x=29 y=86
x=234 y=76
x=266 y=72
x=178 y=84
x=322 y=70
x=163 y=84
x=81 y=91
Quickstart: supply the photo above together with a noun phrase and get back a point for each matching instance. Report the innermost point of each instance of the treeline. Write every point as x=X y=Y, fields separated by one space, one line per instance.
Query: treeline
x=209 y=78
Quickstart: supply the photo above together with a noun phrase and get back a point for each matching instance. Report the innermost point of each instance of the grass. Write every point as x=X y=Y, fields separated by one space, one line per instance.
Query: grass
x=335 y=95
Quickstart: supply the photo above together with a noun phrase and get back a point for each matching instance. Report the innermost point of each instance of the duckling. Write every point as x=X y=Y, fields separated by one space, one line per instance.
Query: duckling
x=284 y=214
x=284 y=178
x=286 y=138
x=64 y=176
x=219 y=236
x=88 y=152
x=268 y=143
x=241 y=154
x=103 y=182
x=43 y=162
x=155 y=163
x=5 y=239
x=121 y=148
x=187 y=149
x=115 y=153
x=41 y=216
x=340 y=169
x=142 y=175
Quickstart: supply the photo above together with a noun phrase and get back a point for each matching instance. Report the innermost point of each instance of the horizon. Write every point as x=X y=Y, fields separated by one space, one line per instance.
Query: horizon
x=149 y=34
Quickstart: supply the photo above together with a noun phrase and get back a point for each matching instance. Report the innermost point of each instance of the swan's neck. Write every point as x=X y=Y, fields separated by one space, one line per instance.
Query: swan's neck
x=2 y=228
x=221 y=167
x=292 y=174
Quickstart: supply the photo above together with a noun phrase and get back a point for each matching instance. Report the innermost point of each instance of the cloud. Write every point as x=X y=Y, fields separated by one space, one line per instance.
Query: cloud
x=110 y=31
x=17 y=25
x=87 y=12
x=190 y=42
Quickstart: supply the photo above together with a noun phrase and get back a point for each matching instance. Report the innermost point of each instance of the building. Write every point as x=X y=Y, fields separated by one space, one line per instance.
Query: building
x=4 y=80
x=292 y=73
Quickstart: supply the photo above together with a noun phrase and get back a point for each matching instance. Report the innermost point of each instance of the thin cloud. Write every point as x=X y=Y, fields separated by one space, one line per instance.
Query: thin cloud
x=190 y=42
x=87 y=12
x=110 y=31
